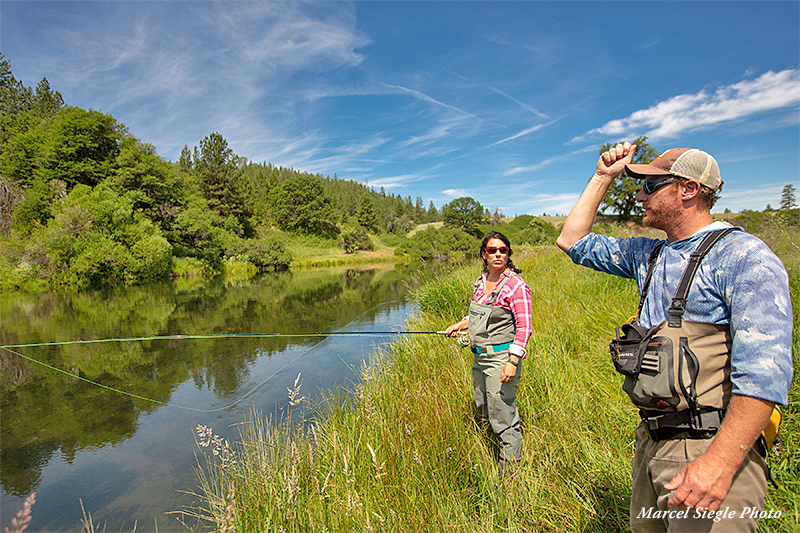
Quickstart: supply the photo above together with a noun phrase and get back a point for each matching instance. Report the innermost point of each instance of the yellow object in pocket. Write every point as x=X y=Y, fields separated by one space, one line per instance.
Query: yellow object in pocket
x=771 y=432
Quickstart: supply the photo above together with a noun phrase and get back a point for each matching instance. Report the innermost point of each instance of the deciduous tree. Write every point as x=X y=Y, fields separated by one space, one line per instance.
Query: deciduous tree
x=465 y=213
x=299 y=204
x=82 y=147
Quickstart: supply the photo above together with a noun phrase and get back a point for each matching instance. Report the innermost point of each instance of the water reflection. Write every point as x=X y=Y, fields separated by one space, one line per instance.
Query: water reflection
x=127 y=458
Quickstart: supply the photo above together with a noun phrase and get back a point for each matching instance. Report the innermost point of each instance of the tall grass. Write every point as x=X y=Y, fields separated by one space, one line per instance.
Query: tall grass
x=402 y=453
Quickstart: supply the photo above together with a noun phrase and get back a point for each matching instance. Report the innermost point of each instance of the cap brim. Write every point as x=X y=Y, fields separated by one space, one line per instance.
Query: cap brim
x=640 y=172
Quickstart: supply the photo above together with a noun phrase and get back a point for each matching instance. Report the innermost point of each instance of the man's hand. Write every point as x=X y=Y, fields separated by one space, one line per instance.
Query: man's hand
x=579 y=222
x=613 y=161
x=702 y=484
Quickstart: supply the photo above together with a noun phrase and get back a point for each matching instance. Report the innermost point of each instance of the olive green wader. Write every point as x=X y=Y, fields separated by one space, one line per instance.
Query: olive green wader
x=491 y=331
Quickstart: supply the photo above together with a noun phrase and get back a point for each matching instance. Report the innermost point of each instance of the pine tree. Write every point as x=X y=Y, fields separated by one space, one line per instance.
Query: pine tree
x=217 y=176
x=366 y=214
x=788 y=200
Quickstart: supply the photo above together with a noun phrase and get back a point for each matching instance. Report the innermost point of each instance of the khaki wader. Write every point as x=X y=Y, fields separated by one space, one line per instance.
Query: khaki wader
x=656 y=463
x=685 y=371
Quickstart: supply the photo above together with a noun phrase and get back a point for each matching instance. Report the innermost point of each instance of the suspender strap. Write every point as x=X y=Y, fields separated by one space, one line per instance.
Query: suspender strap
x=650 y=266
x=497 y=288
x=675 y=312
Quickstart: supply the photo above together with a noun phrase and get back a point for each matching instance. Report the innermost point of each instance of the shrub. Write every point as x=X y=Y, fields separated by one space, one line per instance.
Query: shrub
x=354 y=238
x=151 y=259
x=442 y=243
x=526 y=229
x=268 y=252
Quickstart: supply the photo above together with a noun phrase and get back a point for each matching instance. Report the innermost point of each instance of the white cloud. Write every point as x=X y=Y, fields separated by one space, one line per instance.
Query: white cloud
x=455 y=193
x=686 y=112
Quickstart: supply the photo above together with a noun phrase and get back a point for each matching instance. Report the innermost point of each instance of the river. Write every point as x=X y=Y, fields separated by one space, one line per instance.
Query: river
x=130 y=459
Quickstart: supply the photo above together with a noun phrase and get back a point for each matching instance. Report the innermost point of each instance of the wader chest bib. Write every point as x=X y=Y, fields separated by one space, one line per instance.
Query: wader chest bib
x=678 y=372
x=491 y=329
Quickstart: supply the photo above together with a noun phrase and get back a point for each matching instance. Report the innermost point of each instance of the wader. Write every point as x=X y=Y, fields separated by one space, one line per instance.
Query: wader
x=491 y=331
x=678 y=374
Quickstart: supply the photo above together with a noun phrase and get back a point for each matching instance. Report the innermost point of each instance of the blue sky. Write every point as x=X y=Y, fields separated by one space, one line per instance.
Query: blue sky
x=506 y=102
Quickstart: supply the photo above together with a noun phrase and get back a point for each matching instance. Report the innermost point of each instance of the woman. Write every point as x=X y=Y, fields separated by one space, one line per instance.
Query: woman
x=499 y=324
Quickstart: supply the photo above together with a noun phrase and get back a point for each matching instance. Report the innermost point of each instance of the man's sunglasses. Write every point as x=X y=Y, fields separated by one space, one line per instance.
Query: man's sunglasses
x=495 y=249
x=652 y=185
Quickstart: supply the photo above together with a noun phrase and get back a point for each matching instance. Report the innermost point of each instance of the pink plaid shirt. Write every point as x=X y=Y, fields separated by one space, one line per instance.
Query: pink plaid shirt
x=516 y=297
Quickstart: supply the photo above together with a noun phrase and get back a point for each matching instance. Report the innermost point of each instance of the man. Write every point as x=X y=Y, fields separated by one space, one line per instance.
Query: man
x=685 y=477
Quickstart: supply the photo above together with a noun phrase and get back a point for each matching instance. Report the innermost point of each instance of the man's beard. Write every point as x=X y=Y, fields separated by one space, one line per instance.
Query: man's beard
x=663 y=217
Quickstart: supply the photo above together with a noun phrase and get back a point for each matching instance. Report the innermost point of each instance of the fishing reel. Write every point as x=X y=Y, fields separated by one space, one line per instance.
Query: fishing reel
x=463 y=340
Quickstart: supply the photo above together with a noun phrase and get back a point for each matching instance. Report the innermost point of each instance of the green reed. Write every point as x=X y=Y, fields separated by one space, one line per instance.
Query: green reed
x=402 y=452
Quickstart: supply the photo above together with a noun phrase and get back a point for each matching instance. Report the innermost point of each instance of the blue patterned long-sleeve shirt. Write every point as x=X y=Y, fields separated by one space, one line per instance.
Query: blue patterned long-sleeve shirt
x=741 y=282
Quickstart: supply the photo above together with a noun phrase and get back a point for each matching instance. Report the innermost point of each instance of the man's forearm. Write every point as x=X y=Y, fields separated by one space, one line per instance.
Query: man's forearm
x=581 y=217
x=744 y=420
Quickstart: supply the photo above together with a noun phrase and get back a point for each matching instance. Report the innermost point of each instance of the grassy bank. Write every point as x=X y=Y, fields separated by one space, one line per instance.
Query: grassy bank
x=402 y=453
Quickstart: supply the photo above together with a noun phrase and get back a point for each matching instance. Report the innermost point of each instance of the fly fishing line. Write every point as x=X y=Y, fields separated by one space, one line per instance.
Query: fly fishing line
x=9 y=347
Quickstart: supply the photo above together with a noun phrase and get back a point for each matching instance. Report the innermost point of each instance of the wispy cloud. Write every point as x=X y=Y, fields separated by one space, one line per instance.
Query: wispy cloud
x=523 y=133
x=551 y=203
x=686 y=112
x=540 y=50
x=749 y=198
x=200 y=70
x=345 y=156
x=521 y=104
x=392 y=182
x=547 y=162
x=425 y=98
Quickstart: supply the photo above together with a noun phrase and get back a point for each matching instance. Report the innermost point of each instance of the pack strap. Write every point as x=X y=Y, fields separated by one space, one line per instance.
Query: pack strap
x=650 y=267
x=706 y=419
x=675 y=312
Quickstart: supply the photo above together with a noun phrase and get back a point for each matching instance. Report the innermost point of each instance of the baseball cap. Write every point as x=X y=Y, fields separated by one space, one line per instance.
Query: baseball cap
x=689 y=163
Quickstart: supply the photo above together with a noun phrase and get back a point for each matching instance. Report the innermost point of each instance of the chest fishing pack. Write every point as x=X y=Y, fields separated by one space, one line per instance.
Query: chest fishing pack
x=678 y=372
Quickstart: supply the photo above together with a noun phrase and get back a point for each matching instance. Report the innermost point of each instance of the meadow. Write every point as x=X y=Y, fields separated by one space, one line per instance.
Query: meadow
x=401 y=452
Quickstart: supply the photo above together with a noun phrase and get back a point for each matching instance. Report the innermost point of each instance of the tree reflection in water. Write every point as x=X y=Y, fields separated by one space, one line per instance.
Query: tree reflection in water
x=46 y=412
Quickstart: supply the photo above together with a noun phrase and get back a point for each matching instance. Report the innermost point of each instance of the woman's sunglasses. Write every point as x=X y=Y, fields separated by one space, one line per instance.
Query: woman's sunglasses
x=652 y=185
x=495 y=249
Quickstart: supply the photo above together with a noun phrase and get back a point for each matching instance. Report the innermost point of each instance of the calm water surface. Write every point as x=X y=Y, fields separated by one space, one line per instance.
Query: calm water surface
x=131 y=461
